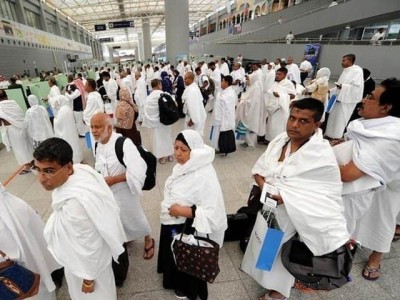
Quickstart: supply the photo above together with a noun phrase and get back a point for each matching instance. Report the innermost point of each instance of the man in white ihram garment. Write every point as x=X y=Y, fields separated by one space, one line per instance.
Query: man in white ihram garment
x=13 y=132
x=193 y=105
x=302 y=168
x=22 y=229
x=140 y=94
x=224 y=68
x=349 y=91
x=371 y=173
x=54 y=92
x=223 y=117
x=37 y=122
x=84 y=232
x=277 y=103
x=111 y=87
x=126 y=184
x=238 y=78
x=65 y=127
x=293 y=71
x=163 y=148
x=94 y=105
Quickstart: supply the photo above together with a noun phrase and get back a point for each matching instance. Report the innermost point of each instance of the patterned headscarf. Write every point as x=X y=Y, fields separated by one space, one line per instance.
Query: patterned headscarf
x=125 y=95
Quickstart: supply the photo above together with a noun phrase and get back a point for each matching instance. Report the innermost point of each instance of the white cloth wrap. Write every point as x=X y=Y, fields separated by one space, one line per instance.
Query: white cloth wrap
x=85 y=231
x=309 y=183
x=196 y=183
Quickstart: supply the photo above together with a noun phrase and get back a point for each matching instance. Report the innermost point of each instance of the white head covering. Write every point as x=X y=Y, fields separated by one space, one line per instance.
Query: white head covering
x=33 y=100
x=193 y=138
x=65 y=127
x=324 y=72
x=37 y=121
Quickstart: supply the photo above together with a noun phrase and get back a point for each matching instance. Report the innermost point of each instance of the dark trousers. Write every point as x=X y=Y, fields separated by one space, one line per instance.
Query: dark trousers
x=121 y=269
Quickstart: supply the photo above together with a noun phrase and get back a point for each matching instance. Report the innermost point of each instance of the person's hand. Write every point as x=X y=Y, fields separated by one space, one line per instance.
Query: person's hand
x=277 y=198
x=174 y=210
x=87 y=286
x=110 y=180
x=190 y=123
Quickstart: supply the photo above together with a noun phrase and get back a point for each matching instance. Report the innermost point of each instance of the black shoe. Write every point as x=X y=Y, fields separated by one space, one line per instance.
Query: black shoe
x=119 y=283
x=180 y=295
x=57 y=276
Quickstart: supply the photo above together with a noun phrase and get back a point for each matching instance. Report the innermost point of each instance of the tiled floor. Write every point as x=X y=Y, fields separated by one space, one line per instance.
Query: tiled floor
x=234 y=174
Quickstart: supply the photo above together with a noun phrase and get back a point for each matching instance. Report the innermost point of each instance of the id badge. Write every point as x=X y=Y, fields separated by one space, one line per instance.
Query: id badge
x=268 y=190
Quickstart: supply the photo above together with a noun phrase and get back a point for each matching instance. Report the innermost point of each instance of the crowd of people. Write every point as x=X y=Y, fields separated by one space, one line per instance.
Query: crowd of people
x=331 y=167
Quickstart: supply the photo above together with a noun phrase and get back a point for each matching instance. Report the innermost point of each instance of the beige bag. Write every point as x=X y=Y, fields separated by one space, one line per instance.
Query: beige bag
x=321 y=92
x=125 y=114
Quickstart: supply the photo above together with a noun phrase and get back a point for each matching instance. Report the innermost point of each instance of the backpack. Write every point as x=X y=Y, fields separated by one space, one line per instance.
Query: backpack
x=124 y=114
x=147 y=156
x=169 y=113
x=211 y=86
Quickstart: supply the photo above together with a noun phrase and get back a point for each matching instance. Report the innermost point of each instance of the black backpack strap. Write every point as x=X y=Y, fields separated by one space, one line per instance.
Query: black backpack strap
x=95 y=148
x=119 y=150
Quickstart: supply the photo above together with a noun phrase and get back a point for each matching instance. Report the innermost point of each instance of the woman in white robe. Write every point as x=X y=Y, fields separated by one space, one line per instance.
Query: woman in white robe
x=21 y=238
x=65 y=127
x=192 y=191
x=251 y=110
x=14 y=134
x=37 y=122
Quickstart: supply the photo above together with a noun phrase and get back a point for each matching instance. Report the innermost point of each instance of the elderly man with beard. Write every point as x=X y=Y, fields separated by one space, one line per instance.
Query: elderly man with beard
x=126 y=183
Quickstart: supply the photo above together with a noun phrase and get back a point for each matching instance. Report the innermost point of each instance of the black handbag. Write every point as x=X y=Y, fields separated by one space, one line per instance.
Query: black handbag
x=196 y=260
x=226 y=142
x=325 y=272
x=17 y=282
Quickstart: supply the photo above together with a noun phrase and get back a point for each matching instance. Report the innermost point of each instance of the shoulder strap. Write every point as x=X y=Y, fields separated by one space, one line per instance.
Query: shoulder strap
x=119 y=150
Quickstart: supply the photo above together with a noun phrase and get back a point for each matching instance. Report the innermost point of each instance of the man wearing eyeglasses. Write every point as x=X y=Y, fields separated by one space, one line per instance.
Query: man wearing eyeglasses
x=372 y=203
x=84 y=232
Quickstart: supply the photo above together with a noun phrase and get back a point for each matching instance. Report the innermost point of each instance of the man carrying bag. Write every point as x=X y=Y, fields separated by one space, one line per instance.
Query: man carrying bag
x=299 y=171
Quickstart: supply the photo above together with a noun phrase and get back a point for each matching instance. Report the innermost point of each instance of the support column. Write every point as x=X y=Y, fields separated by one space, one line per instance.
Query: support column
x=71 y=37
x=58 y=23
x=141 y=46
x=146 y=38
x=43 y=22
x=136 y=48
x=20 y=11
x=177 y=30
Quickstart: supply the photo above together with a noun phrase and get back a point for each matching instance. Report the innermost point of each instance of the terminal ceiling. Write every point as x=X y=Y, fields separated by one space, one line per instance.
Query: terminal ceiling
x=87 y=13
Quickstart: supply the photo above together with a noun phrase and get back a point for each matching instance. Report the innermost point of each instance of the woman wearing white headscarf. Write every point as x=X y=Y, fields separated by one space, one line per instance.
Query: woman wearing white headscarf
x=37 y=122
x=65 y=127
x=192 y=191
x=319 y=87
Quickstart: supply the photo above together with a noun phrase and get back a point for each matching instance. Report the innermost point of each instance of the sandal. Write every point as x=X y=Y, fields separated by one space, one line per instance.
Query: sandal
x=396 y=237
x=146 y=255
x=298 y=285
x=162 y=161
x=370 y=272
